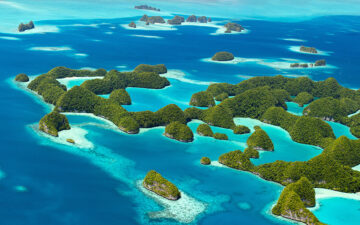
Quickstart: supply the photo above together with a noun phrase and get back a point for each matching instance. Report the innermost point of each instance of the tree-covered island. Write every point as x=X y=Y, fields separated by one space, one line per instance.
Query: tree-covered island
x=154 y=182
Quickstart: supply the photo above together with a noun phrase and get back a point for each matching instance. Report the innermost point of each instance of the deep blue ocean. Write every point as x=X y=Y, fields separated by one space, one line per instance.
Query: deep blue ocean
x=46 y=182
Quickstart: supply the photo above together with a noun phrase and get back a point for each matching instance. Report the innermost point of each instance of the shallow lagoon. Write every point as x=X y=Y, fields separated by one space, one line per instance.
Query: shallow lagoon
x=98 y=186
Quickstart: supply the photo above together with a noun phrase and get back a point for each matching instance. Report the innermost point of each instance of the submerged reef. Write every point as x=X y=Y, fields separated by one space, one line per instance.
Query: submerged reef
x=154 y=182
x=146 y=7
x=54 y=122
x=233 y=27
x=259 y=140
x=22 y=77
x=28 y=26
x=223 y=56
x=308 y=49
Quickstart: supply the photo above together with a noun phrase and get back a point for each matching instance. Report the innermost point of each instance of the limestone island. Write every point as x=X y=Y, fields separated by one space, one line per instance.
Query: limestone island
x=223 y=56
x=22 y=77
x=154 y=182
x=221 y=97
x=152 y=19
x=251 y=153
x=28 y=26
x=146 y=7
x=321 y=62
x=120 y=96
x=132 y=24
x=204 y=130
x=177 y=20
x=233 y=27
x=54 y=122
x=260 y=140
x=202 y=99
x=303 y=98
x=205 y=161
x=308 y=50
x=220 y=136
x=71 y=141
x=178 y=131
x=239 y=129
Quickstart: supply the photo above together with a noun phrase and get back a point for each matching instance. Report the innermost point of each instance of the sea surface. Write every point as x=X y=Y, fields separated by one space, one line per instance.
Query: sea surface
x=46 y=181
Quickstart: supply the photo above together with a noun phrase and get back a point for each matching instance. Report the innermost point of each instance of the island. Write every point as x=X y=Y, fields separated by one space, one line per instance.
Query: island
x=28 y=26
x=221 y=97
x=53 y=123
x=205 y=161
x=299 y=65
x=146 y=7
x=260 y=140
x=129 y=125
x=154 y=182
x=177 y=20
x=251 y=153
x=293 y=202
x=223 y=56
x=220 y=136
x=204 y=130
x=202 y=19
x=71 y=141
x=237 y=160
x=132 y=24
x=308 y=50
x=22 y=77
x=321 y=62
x=178 y=131
x=191 y=19
x=120 y=96
x=152 y=19
x=202 y=99
x=303 y=98
x=233 y=27
x=239 y=129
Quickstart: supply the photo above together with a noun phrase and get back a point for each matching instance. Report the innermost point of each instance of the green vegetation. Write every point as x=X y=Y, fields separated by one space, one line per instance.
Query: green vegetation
x=302 y=129
x=54 y=122
x=71 y=141
x=21 y=77
x=251 y=153
x=221 y=97
x=205 y=161
x=293 y=201
x=48 y=87
x=329 y=108
x=223 y=56
x=303 y=98
x=220 y=136
x=237 y=160
x=240 y=129
x=308 y=49
x=204 y=130
x=218 y=116
x=120 y=96
x=202 y=99
x=170 y=113
x=128 y=125
x=154 y=182
x=159 y=69
x=179 y=131
x=312 y=131
x=259 y=140
x=62 y=72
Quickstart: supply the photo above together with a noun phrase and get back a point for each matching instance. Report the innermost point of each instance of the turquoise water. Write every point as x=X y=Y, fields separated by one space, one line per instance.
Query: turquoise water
x=50 y=182
x=330 y=211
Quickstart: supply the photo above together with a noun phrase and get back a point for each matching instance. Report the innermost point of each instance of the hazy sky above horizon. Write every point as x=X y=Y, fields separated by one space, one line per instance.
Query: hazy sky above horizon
x=16 y=11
